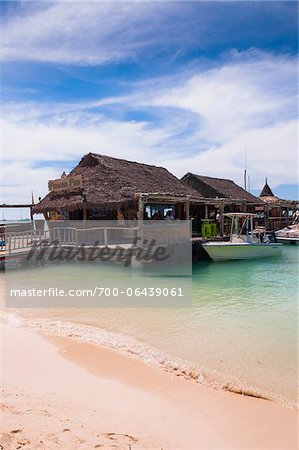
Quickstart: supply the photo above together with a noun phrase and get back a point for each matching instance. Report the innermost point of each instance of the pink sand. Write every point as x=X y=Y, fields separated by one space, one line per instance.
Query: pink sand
x=61 y=394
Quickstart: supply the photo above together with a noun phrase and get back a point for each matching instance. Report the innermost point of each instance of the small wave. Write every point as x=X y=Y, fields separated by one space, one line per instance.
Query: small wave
x=245 y=391
x=130 y=347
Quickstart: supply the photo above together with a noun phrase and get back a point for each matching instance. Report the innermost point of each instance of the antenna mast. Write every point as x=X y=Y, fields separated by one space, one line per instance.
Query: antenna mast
x=245 y=169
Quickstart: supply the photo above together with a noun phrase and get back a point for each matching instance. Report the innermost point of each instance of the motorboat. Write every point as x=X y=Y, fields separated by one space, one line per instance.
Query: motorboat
x=288 y=235
x=244 y=242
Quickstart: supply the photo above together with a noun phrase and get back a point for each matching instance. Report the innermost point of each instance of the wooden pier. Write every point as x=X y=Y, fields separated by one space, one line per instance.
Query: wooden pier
x=37 y=244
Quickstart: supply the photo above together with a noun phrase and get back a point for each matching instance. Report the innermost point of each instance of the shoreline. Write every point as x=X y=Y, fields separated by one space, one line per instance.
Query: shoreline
x=130 y=347
x=138 y=404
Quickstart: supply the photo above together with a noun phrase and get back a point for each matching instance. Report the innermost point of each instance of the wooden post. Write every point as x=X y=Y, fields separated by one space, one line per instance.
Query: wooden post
x=106 y=237
x=9 y=244
x=206 y=212
x=84 y=223
x=84 y=213
x=140 y=208
x=187 y=209
x=140 y=217
x=221 y=218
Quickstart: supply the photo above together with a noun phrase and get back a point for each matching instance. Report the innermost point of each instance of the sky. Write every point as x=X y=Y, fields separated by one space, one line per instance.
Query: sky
x=205 y=87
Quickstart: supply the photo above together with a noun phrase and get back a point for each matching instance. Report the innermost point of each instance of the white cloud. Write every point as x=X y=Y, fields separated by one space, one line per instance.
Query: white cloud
x=84 y=33
x=20 y=179
x=66 y=141
x=249 y=103
x=271 y=151
x=30 y=148
x=237 y=96
x=205 y=122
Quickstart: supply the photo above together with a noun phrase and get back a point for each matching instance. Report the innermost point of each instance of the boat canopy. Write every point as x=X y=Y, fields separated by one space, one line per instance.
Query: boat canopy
x=240 y=215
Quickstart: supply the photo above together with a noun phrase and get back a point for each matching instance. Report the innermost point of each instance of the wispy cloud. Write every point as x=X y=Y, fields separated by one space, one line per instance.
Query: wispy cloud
x=201 y=124
x=94 y=33
x=89 y=33
x=237 y=96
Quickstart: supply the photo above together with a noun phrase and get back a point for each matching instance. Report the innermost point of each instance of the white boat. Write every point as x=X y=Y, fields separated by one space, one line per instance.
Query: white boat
x=288 y=235
x=244 y=243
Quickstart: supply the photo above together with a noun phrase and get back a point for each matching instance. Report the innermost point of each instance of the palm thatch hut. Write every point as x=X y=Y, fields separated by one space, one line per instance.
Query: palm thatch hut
x=227 y=195
x=103 y=187
x=211 y=187
x=279 y=213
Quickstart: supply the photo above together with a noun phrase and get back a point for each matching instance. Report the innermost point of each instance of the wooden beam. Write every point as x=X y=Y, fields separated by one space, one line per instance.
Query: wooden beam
x=4 y=205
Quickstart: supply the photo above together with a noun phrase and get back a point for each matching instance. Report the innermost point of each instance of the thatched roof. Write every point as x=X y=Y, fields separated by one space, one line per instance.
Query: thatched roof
x=113 y=182
x=276 y=201
x=271 y=199
x=219 y=188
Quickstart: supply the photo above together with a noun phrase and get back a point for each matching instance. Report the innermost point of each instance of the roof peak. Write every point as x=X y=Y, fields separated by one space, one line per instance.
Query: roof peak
x=115 y=158
x=210 y=177
x=266 y=191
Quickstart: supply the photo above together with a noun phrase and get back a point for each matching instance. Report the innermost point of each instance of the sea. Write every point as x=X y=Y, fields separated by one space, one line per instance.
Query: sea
x=238 y=333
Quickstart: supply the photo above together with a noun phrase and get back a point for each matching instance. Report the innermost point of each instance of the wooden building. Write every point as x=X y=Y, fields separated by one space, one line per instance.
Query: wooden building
x=279 y=213
x=104 y=188
x=224 y=196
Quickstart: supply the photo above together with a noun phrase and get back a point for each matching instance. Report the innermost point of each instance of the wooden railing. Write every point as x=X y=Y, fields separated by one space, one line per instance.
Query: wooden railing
x=18 y=241
x=162 y=233
x=89 y=236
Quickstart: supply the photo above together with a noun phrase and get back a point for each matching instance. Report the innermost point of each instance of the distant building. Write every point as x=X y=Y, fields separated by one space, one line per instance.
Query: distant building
x=212 y=187
x=227 y=196
x=278 y=212
x=267 y=192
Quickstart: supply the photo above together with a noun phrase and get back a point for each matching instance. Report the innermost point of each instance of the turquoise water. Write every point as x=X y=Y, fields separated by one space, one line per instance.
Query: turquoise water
x=241 y=330
x=251 y=309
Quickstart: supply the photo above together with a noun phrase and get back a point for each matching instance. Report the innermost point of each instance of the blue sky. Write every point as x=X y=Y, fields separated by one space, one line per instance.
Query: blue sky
x=185 y=85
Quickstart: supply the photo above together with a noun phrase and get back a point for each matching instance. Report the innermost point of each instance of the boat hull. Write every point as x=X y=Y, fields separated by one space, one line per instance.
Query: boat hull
x=222 y=251
x=288 y=235
x=288 y=240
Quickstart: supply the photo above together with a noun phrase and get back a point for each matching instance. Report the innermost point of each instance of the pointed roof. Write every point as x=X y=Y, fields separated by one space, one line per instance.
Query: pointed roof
x=266 y=191
x=268 y=197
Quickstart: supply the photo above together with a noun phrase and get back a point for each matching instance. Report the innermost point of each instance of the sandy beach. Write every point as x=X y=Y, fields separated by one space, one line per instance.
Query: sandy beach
x=58 y=393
